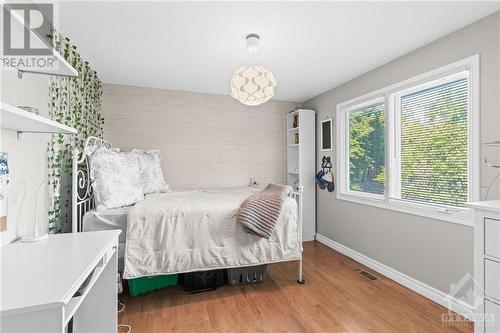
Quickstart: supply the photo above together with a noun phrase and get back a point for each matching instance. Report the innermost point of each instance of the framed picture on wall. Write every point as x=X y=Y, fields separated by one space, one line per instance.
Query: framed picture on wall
x=326 y=135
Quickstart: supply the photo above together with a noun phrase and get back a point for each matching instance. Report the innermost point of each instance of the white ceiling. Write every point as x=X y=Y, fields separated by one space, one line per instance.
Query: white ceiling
x=310 y=47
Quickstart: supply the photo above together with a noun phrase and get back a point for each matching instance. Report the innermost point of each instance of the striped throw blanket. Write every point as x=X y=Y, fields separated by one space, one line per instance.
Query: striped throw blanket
x=260 y=212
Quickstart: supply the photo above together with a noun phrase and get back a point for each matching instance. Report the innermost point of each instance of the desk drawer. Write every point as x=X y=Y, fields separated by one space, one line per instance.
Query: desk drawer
x=492 y=278
x=492 y=317
x=492 y=237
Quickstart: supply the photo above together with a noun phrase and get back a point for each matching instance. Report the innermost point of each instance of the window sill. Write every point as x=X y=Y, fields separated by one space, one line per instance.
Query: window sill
x=462 y=217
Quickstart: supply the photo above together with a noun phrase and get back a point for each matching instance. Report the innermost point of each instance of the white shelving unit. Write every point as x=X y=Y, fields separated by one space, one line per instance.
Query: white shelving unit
x=301 y=157
x=22 y=121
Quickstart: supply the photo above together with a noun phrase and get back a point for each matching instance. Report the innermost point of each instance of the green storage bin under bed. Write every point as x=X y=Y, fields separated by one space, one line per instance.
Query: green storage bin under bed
x=146 y=284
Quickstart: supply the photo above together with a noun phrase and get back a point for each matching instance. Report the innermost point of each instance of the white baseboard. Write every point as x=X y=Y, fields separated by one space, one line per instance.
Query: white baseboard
x=419 y=287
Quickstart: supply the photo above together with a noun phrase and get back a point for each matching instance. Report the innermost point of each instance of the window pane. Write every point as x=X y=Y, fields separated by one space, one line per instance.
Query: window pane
x=366 y=149
x=434 y=144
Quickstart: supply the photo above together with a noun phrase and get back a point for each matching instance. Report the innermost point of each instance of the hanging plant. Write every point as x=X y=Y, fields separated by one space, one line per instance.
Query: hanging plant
x=74 y=102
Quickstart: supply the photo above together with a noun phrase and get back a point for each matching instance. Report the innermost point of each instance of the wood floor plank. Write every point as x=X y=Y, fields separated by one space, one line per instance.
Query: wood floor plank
x=334 y=299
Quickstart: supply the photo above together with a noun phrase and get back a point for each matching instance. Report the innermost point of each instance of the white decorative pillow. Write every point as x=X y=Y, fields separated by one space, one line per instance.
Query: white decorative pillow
x=150 y=170
x=116 y=178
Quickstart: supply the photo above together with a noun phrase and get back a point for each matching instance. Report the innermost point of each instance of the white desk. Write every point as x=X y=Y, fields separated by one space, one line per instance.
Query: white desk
x=39 y=280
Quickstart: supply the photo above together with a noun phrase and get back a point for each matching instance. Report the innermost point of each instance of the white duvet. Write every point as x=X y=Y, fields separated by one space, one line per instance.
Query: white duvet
x=177 y=232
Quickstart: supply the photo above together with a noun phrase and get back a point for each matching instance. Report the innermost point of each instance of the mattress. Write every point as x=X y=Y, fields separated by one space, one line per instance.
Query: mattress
x=180 y=232
x=109 y=219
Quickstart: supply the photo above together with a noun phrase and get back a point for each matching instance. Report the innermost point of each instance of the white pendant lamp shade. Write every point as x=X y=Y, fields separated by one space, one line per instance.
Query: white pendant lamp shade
x=252 y=84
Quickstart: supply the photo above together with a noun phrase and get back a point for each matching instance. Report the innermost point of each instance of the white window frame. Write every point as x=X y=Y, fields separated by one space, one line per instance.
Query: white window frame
x=444 y=213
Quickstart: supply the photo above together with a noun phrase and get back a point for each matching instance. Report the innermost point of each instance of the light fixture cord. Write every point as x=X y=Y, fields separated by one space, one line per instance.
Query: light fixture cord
x=252 y=55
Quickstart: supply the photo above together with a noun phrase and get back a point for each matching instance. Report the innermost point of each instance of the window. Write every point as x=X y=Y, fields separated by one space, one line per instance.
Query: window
x=431 y=159
x=367 y=149
x=412 y=146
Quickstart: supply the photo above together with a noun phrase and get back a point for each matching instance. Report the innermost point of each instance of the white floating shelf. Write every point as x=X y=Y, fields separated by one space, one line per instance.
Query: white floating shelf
x=293 y=172
x=18 y=120
x=293 y=129
x=294 y=145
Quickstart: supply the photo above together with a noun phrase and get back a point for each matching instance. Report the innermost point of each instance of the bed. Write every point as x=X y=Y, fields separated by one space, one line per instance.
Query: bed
x=184 y=231
x=116 y=219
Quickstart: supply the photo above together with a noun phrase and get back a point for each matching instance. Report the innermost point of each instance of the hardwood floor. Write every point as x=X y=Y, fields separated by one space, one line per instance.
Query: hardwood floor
x=334 y=299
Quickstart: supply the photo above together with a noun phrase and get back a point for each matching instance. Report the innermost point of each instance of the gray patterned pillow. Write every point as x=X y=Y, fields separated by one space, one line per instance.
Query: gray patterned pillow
x=116 y=179
x=150 y=169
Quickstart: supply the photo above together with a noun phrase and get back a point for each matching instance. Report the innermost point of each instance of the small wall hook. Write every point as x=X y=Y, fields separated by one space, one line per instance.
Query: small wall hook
x=491 y=165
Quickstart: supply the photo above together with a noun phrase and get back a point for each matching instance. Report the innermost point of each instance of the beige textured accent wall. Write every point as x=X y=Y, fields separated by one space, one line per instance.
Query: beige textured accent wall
x=205 y=140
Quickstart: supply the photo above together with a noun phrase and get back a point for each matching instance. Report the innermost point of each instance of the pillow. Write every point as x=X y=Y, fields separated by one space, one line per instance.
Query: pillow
x=116 y=178
x=150 y=170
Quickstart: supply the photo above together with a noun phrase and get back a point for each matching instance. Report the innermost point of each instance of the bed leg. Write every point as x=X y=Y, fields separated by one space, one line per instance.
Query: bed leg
x=301 y=279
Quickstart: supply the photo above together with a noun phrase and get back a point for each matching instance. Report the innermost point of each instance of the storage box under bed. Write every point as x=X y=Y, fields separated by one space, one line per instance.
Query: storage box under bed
x=246 y=275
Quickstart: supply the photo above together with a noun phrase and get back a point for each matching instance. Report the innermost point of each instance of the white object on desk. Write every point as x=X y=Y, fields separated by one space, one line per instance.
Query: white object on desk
x=487 y=265
x=37 y=235
x=38 y=282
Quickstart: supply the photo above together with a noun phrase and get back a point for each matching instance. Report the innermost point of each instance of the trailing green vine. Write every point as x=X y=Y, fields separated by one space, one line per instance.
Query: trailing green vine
x=75 y=102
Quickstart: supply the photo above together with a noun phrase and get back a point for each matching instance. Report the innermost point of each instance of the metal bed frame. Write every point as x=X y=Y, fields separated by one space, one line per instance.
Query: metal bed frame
x=83 y=196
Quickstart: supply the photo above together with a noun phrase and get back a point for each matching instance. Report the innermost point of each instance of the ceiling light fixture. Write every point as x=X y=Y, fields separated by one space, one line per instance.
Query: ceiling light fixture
x=252 y=84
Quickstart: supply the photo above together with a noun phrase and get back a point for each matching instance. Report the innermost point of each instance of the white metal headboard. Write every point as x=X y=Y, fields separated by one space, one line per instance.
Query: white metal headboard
x=82 y=196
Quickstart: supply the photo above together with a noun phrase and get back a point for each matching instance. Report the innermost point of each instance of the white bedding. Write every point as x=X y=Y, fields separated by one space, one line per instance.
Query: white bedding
x=115 y=218
x=177 y=232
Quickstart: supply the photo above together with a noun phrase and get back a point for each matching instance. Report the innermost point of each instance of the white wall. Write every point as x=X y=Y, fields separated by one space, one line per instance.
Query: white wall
x=205 y=140
x=27 y=158
x=435 y=252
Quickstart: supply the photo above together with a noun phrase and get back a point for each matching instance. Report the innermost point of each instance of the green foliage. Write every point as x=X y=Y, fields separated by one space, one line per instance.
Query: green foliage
x=434 y=153
x=366 y=149
x=75 y=102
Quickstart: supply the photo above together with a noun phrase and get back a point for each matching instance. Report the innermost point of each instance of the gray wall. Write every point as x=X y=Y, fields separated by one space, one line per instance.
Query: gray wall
x=205 y=140
x=435 y=252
